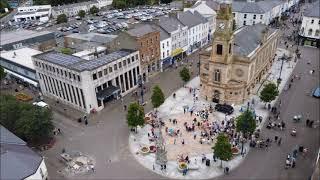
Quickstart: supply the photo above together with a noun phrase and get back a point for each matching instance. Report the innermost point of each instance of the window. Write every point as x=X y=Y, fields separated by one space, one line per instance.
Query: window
x=217 y=76
x=167 y=52
x=110 y=69
x=254 y=16
x=312 y=21
x=230 y=48
x=317 y=32
x=319 y=22
x=234 y=14
x=132 y=58
x=310 y=32
x=137 y=57
x=74 y=76
x=128 y=60
x=100 y=74
x=261 y=16
x=163 y=55
x=115 y=67
x=245 y=16
x=70 y=75
x=253 y=22
x=168 y=41
x=124 y=62
x=78 y=78
x=244 y=23
x=94 y=76
x=119 y=64
x=141 y=44
x=162 y=45
x=105 y=71
x=219 y=49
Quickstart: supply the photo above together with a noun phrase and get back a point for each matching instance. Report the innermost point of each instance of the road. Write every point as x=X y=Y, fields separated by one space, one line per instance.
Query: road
x=261 y=164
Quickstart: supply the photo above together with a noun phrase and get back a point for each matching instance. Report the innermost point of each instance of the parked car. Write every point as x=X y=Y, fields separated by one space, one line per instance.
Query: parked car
x=224 y=108
x=316 y=92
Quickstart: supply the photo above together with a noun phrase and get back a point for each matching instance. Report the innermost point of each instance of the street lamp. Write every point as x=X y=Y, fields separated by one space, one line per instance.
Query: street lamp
x=279 y=78
x=140 y=83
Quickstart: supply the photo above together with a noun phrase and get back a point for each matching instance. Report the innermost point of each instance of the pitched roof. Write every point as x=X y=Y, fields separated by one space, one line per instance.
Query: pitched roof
x=18 y=161
x=189 y=19
x=203 y=19
x=259 y=7
x=169 y=24
x=313 y=11
x=214 y=5
x=163 y=34
x=141 y=30
x=248 y=38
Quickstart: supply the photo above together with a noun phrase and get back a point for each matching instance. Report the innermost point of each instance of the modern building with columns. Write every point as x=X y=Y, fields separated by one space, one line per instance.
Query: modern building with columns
x=87 y=84
x=238 y=60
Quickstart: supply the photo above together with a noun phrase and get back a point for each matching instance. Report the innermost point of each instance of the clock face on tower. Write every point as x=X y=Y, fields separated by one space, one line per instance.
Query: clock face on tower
x=221 y=26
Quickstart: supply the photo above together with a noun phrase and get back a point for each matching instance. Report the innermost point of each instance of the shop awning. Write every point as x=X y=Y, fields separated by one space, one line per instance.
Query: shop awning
x=30 y=81
x=176 y=52
x=107 y=92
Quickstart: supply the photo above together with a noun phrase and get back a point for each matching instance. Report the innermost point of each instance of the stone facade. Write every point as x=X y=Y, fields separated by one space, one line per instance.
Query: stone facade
x=238 y=60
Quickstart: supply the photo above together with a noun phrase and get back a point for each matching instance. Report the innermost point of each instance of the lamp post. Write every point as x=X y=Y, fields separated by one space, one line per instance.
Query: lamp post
x=246 y=128
x=141 y=88
x=279 y=78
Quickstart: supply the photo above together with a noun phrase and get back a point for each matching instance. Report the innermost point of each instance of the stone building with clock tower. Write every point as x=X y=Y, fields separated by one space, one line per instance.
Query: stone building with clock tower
x=237 y=61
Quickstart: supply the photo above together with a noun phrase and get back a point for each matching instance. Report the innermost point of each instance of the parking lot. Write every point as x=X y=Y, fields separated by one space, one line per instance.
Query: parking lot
x=105 y=22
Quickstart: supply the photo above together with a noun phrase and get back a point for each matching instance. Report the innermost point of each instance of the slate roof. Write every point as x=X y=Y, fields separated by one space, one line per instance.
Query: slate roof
x=259 y=7
x=210 y=3
x=163 y=33
x=141 y=30
x=169 y=24
x=314 y=10
x=188 y=19
x=18 y=161
x=248 y=38
x=203 y=19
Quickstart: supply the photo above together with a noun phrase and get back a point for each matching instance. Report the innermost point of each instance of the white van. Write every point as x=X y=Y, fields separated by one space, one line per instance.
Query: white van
x=41 y=104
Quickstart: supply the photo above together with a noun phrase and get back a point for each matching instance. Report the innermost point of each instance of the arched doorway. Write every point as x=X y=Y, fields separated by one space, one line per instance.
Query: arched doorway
x=216 y=96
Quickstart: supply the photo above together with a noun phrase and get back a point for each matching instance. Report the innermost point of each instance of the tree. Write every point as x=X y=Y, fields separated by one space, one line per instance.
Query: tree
x=185 y=74
x=66 y=51
x=2 y=73
x=81 y=14
x=31 y=123
x=246 y=123
x=269 y=93
x=157 y=97
x=165 y=1
x=35 y=125
x=4 y=4
x=135 y=116
x=94 y=10
x=62 y=18
x=222 y=148
x=119 y=4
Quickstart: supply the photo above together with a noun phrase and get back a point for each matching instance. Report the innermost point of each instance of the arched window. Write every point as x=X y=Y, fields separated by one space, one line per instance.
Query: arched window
x=310 y=32
x=219 y=49
x=317 y=32
x=217 y=75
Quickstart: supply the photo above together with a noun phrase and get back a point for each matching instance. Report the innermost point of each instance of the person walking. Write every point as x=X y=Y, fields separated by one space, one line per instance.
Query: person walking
x=226 y=170
x=307 y=122
x=279 y=142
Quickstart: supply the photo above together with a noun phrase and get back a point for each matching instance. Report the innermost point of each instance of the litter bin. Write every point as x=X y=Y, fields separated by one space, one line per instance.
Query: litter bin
x=208 y=162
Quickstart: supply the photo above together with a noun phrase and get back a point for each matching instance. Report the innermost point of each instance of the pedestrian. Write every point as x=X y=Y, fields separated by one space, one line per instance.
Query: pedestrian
x=226 y=170
x=184 y=110
x=194 y=136
x=191 y=112
x=307 y=122
x=214 y=158
x=86 y=122
x=165 y=167
x=182 y=142
x=125 y=107
x=174 y=141
x=153 y=167
x=279 y=142
x=311 y=123
x=92 y=168
x=59 y=131
x=289 y=86
x=275 y=138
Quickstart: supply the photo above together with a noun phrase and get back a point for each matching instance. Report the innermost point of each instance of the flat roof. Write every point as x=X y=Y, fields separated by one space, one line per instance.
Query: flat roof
x=93 y=37
x=21 y=56
x=79 y=64
x=86 y=52
x=15 y=36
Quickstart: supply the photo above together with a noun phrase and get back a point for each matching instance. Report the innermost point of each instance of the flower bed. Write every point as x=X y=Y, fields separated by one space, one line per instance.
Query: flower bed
x=182 y=166
x=145 y=150
x=235 y=151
